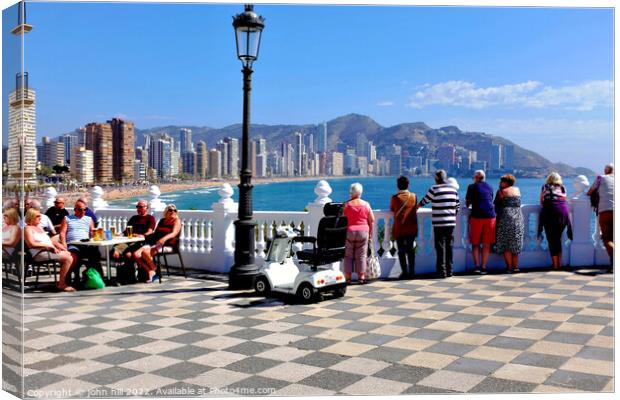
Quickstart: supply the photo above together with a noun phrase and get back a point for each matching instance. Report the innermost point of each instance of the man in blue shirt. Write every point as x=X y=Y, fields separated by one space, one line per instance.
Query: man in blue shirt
x=482 y=220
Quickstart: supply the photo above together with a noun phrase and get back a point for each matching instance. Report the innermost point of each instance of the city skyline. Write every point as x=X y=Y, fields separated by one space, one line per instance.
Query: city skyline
x=481 y=69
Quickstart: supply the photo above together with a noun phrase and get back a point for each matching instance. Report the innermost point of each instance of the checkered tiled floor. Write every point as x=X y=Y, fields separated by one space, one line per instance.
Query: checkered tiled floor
x=532 y=332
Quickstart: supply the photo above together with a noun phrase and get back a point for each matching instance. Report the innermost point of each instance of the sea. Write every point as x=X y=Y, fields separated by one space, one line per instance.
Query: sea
x=295 y=195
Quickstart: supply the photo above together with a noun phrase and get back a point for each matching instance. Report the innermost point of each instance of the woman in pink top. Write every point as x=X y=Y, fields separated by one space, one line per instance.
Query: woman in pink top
x=359 y=231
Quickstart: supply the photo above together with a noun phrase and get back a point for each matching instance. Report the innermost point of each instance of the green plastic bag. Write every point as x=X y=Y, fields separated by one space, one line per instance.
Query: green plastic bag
x=93 y=279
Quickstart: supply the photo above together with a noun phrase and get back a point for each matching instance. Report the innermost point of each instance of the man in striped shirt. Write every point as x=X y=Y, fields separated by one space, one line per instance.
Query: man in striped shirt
x=445 y=203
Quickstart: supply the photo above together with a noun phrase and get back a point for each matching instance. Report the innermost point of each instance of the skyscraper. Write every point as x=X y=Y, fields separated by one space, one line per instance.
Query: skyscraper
x=233 y=156
x=337 y=164
x=298 y=151
x=495 y=157
x=222 y=147
x=99 y=140
x=321 y=139
x=202 y=160
x=509 y=157
x=22 y=153
x=70 y=140
x=82 y=168
x=123 y=153
x=185 y=140
x=215 y=164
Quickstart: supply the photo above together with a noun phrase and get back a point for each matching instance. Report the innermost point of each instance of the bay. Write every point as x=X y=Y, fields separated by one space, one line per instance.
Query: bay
x=295 y=195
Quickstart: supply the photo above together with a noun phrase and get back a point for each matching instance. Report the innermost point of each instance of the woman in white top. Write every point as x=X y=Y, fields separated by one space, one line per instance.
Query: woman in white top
x=42 y=249
x=10 y=231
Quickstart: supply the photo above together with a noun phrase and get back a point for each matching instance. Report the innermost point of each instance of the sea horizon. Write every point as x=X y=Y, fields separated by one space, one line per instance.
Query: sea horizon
x=295 y=195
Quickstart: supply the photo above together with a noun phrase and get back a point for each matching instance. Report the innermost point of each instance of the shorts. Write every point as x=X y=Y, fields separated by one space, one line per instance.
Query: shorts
x=43 y=255
x=606 y=222
x=481 y=231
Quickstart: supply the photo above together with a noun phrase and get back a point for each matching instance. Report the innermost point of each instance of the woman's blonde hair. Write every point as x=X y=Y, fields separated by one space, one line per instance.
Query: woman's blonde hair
x=31 y=214
x=554 y=179
x=13 y=216
x=356 y=189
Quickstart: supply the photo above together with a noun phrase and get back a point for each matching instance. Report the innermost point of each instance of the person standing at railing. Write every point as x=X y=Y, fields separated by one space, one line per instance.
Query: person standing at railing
x=481 y=220
x=554 y=217
x=604 y=187
x=359 y=233
x=445 y=203
x=509 y=227
x=405 y=227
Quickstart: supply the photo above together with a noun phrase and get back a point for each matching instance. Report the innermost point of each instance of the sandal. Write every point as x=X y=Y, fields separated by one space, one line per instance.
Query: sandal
x=363 y=281
x=67 y=289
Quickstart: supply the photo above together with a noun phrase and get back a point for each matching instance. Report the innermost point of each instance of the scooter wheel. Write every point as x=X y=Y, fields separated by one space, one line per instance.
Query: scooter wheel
x=261 y=286
x=340 y=292
x=306 y=293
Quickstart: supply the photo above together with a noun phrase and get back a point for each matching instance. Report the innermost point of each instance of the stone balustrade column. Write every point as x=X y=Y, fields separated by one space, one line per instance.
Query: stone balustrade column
x=96 y=194
x=224 y=214
x=581 y=247
x=50 y=196
x=155 y=204
x=315 y=209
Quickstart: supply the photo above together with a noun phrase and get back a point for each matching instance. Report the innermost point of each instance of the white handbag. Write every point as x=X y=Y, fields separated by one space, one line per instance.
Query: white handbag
x=373 y=268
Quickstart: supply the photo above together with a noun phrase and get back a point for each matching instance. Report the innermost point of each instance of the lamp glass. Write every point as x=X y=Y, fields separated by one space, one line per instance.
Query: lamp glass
x=248 y=43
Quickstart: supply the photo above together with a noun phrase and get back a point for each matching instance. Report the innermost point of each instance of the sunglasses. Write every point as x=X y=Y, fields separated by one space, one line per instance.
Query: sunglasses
x=140 y=206
x=79 y=209
x=172 y=209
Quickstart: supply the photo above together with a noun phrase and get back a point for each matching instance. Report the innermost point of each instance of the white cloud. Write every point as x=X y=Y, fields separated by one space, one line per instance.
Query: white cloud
x=582 y=97
x=385 y=103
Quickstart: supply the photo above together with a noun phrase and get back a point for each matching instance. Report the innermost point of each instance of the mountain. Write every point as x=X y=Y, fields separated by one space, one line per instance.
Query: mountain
x=416 y=137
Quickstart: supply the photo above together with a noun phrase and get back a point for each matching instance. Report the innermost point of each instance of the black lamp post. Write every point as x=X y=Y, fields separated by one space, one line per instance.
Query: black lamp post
x=248 y=28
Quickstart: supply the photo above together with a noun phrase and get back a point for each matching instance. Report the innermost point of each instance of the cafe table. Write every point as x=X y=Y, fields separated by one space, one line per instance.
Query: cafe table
x=106 y=244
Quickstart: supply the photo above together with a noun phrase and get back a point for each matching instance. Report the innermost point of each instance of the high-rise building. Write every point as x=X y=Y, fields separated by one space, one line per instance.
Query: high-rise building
x=372 y=151
x=361 y=145
x=298 y=153
x=189 y=163
x=22 y=153
x=123 y=153
x=337 y=164
x=261 y=165
x=509 y=157
x=215 y=164
x=185 y=140
x=446 y=154
x=222 y=147
x=321 y=139
x=309 y=143
x=163 y=152
x=139 y=170
x=70 y=140
x=495 y=157
x=202 y=160
x=99 y=140
x=233 y=156
x=82 y=168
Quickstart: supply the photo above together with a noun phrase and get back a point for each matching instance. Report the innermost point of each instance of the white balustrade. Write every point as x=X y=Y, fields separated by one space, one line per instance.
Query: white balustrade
x=207 y=237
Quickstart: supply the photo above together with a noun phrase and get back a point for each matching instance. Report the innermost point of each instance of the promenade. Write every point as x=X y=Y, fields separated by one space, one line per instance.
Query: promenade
x=542 y=331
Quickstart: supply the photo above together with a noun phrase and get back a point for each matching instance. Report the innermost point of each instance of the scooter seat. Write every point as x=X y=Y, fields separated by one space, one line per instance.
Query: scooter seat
x=326 y=256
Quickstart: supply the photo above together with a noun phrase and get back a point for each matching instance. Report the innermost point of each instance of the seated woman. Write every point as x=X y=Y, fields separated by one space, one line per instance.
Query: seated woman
x=42 y=249
x=10 y=231
x=166 y=233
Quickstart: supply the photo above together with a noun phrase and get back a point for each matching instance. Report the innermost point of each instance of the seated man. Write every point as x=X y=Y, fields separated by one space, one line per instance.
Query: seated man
x=57 y=213
x=142 y=225
x=79 y=227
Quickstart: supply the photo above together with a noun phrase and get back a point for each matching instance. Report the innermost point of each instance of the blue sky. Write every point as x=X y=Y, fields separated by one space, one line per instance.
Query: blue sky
x=541 y=77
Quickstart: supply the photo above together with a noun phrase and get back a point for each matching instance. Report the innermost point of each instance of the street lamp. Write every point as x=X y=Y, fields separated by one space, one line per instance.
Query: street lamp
x=248 y=28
